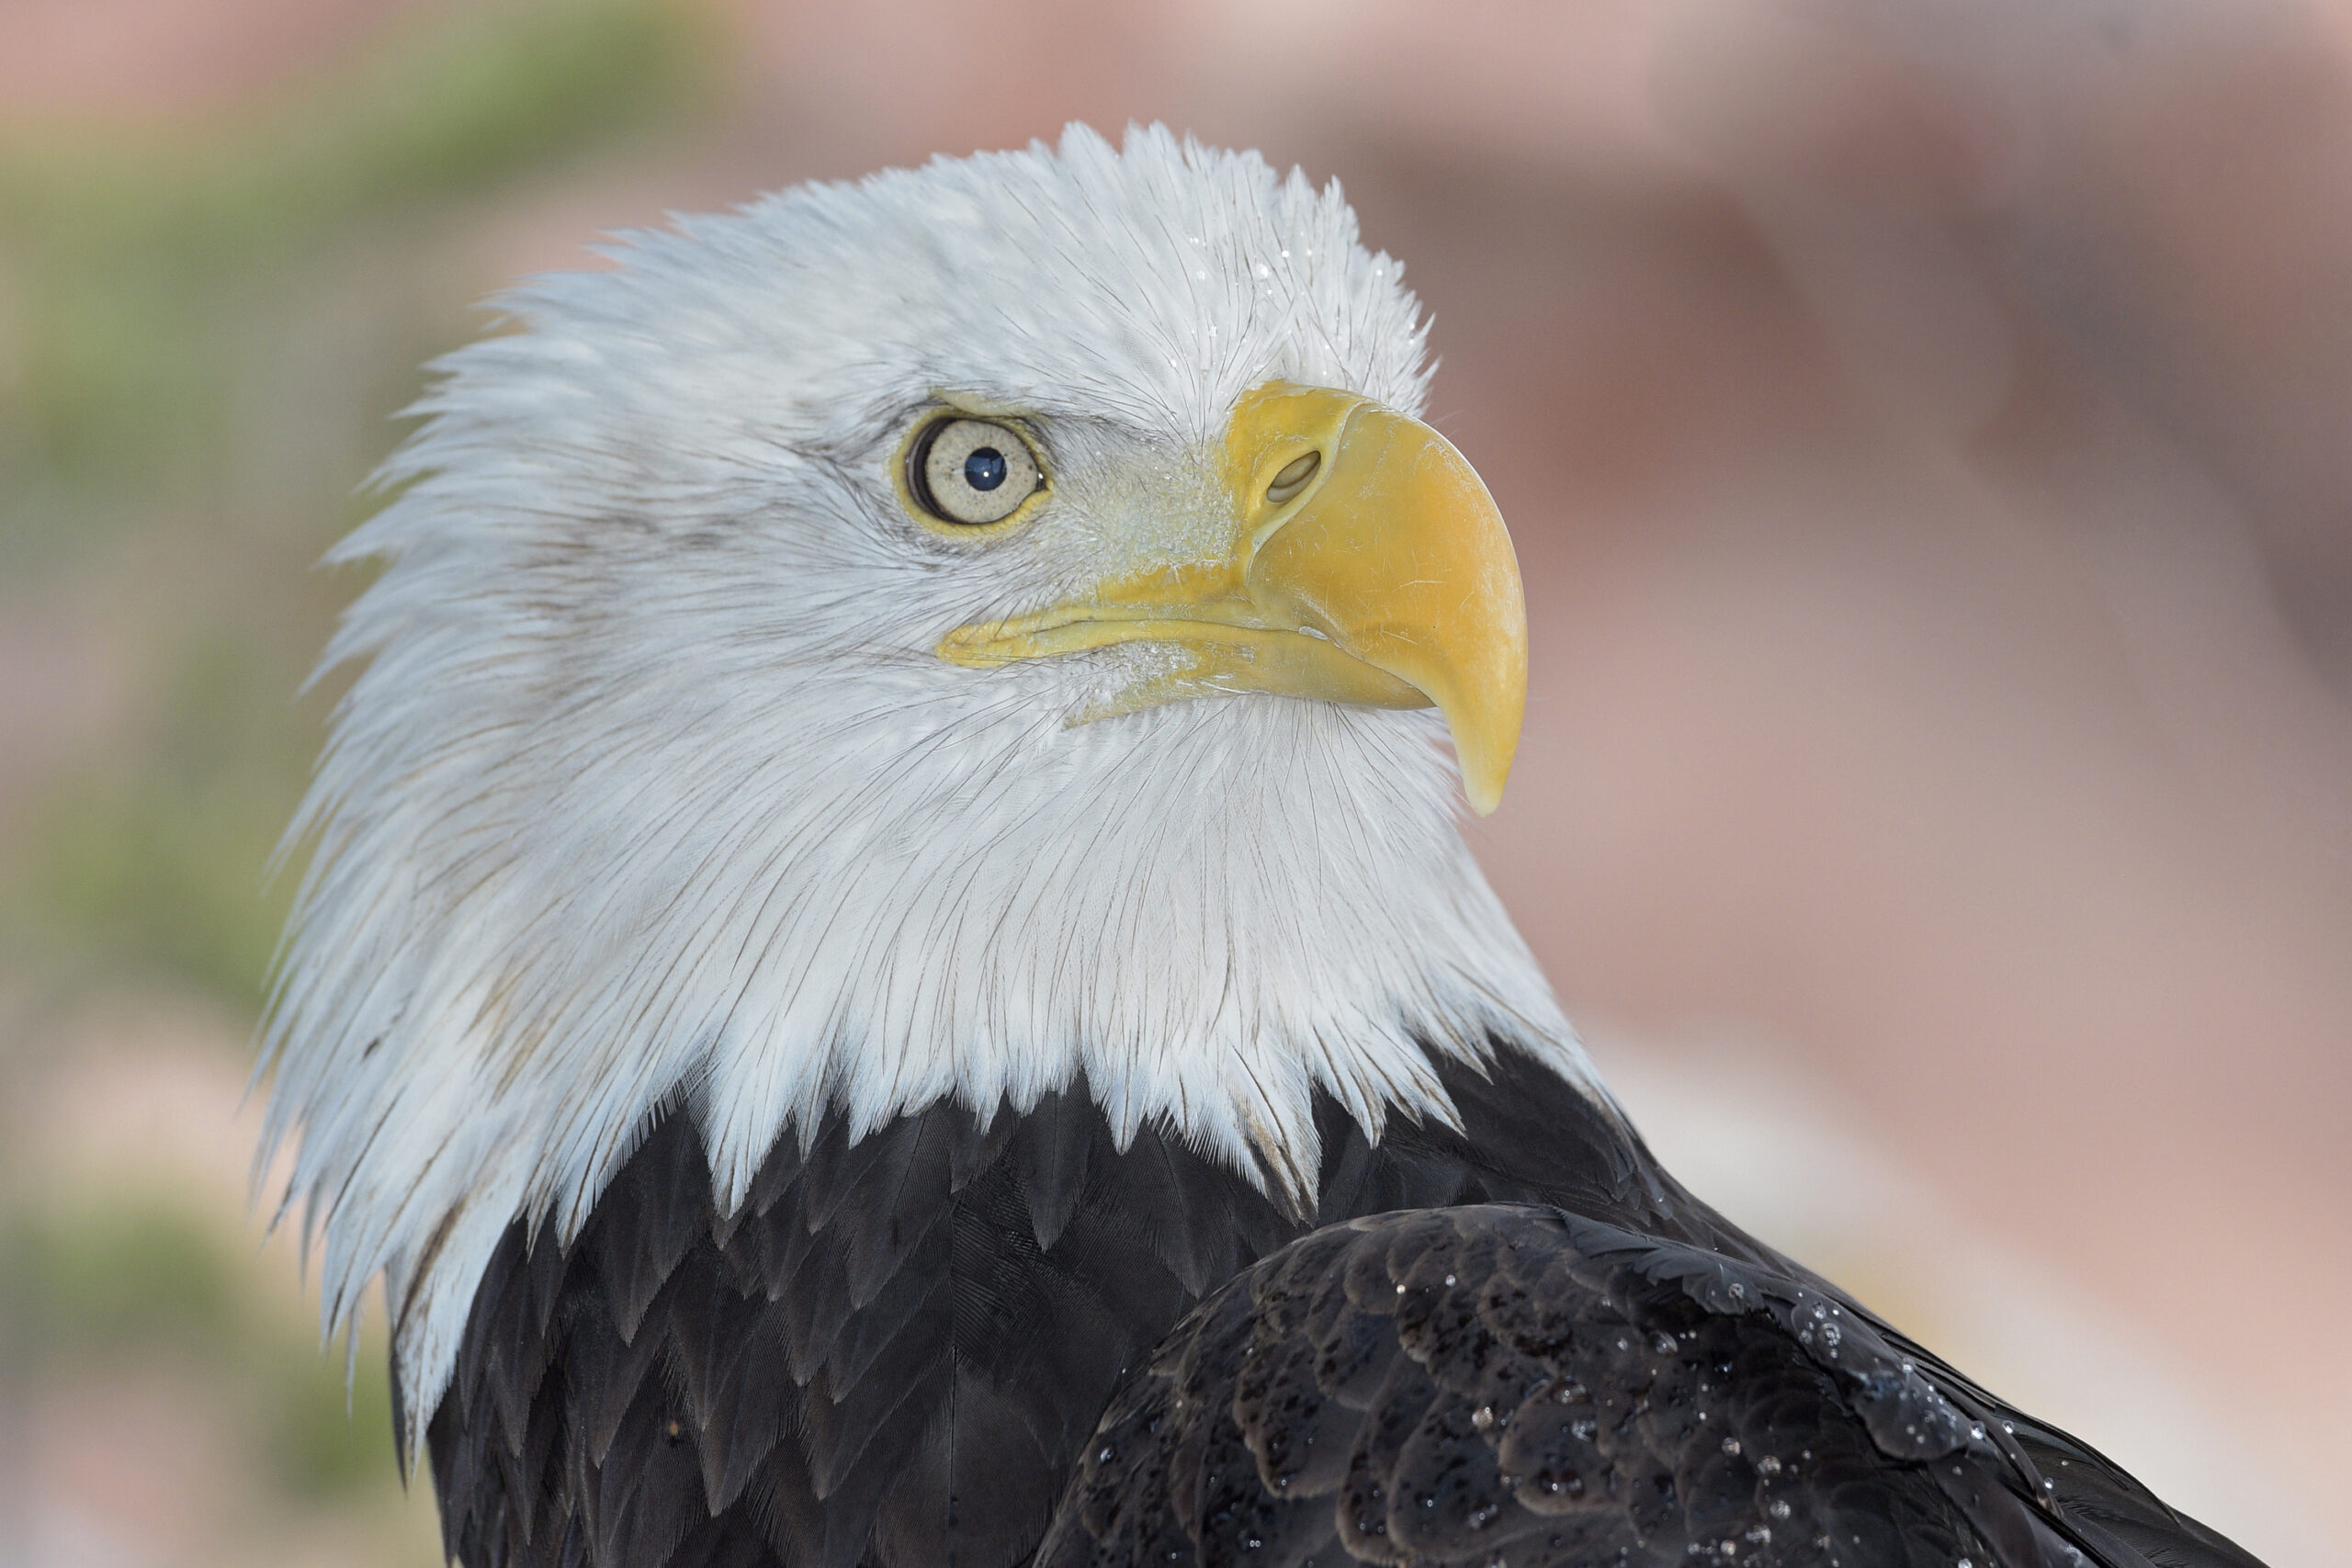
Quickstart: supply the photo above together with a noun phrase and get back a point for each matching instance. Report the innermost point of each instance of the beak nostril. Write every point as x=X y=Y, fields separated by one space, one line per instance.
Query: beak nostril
x=1293 y=477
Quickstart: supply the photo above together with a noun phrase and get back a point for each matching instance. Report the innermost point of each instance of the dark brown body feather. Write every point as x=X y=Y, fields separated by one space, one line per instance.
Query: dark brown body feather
x=899 y=1352
x=1501 y=1386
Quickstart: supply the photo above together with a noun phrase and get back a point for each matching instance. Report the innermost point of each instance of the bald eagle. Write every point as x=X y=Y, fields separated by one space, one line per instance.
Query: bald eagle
x=888 y=976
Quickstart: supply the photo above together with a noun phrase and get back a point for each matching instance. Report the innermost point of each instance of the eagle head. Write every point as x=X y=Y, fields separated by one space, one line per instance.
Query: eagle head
x=958 y=634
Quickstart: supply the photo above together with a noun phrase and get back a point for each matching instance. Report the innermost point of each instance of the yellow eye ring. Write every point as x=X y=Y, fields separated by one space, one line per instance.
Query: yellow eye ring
x=962 y=475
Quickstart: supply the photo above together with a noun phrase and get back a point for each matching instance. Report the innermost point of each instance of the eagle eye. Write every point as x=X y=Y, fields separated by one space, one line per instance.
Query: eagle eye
x=970 y=471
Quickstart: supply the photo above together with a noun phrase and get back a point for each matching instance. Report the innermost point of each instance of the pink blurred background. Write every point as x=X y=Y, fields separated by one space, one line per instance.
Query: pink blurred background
x=1927 y=434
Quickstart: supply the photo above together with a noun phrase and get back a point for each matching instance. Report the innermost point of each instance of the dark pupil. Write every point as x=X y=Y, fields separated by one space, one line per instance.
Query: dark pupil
x=984 y=469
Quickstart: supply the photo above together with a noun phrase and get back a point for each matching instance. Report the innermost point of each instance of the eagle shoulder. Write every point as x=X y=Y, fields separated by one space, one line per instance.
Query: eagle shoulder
x=1510 y=1385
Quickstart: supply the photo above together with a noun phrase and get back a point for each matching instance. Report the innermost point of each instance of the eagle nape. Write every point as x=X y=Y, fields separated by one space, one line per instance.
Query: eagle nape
x=888 y=976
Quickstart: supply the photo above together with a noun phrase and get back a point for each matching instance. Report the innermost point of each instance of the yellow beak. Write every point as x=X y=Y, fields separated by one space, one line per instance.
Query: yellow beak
x=1367 y=565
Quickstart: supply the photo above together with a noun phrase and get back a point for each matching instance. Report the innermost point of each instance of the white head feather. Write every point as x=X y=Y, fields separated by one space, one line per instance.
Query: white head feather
x=653 y=793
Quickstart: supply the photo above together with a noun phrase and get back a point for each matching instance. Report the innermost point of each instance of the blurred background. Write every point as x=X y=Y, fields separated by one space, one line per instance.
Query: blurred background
x=1928 y=433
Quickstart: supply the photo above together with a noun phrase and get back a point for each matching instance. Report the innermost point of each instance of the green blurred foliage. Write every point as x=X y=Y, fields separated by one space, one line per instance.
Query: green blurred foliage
x=143 y=271
x=325 y=1437
x=203 y=335
x=160 y=868
x=137 y=1275
x=125 y=1280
